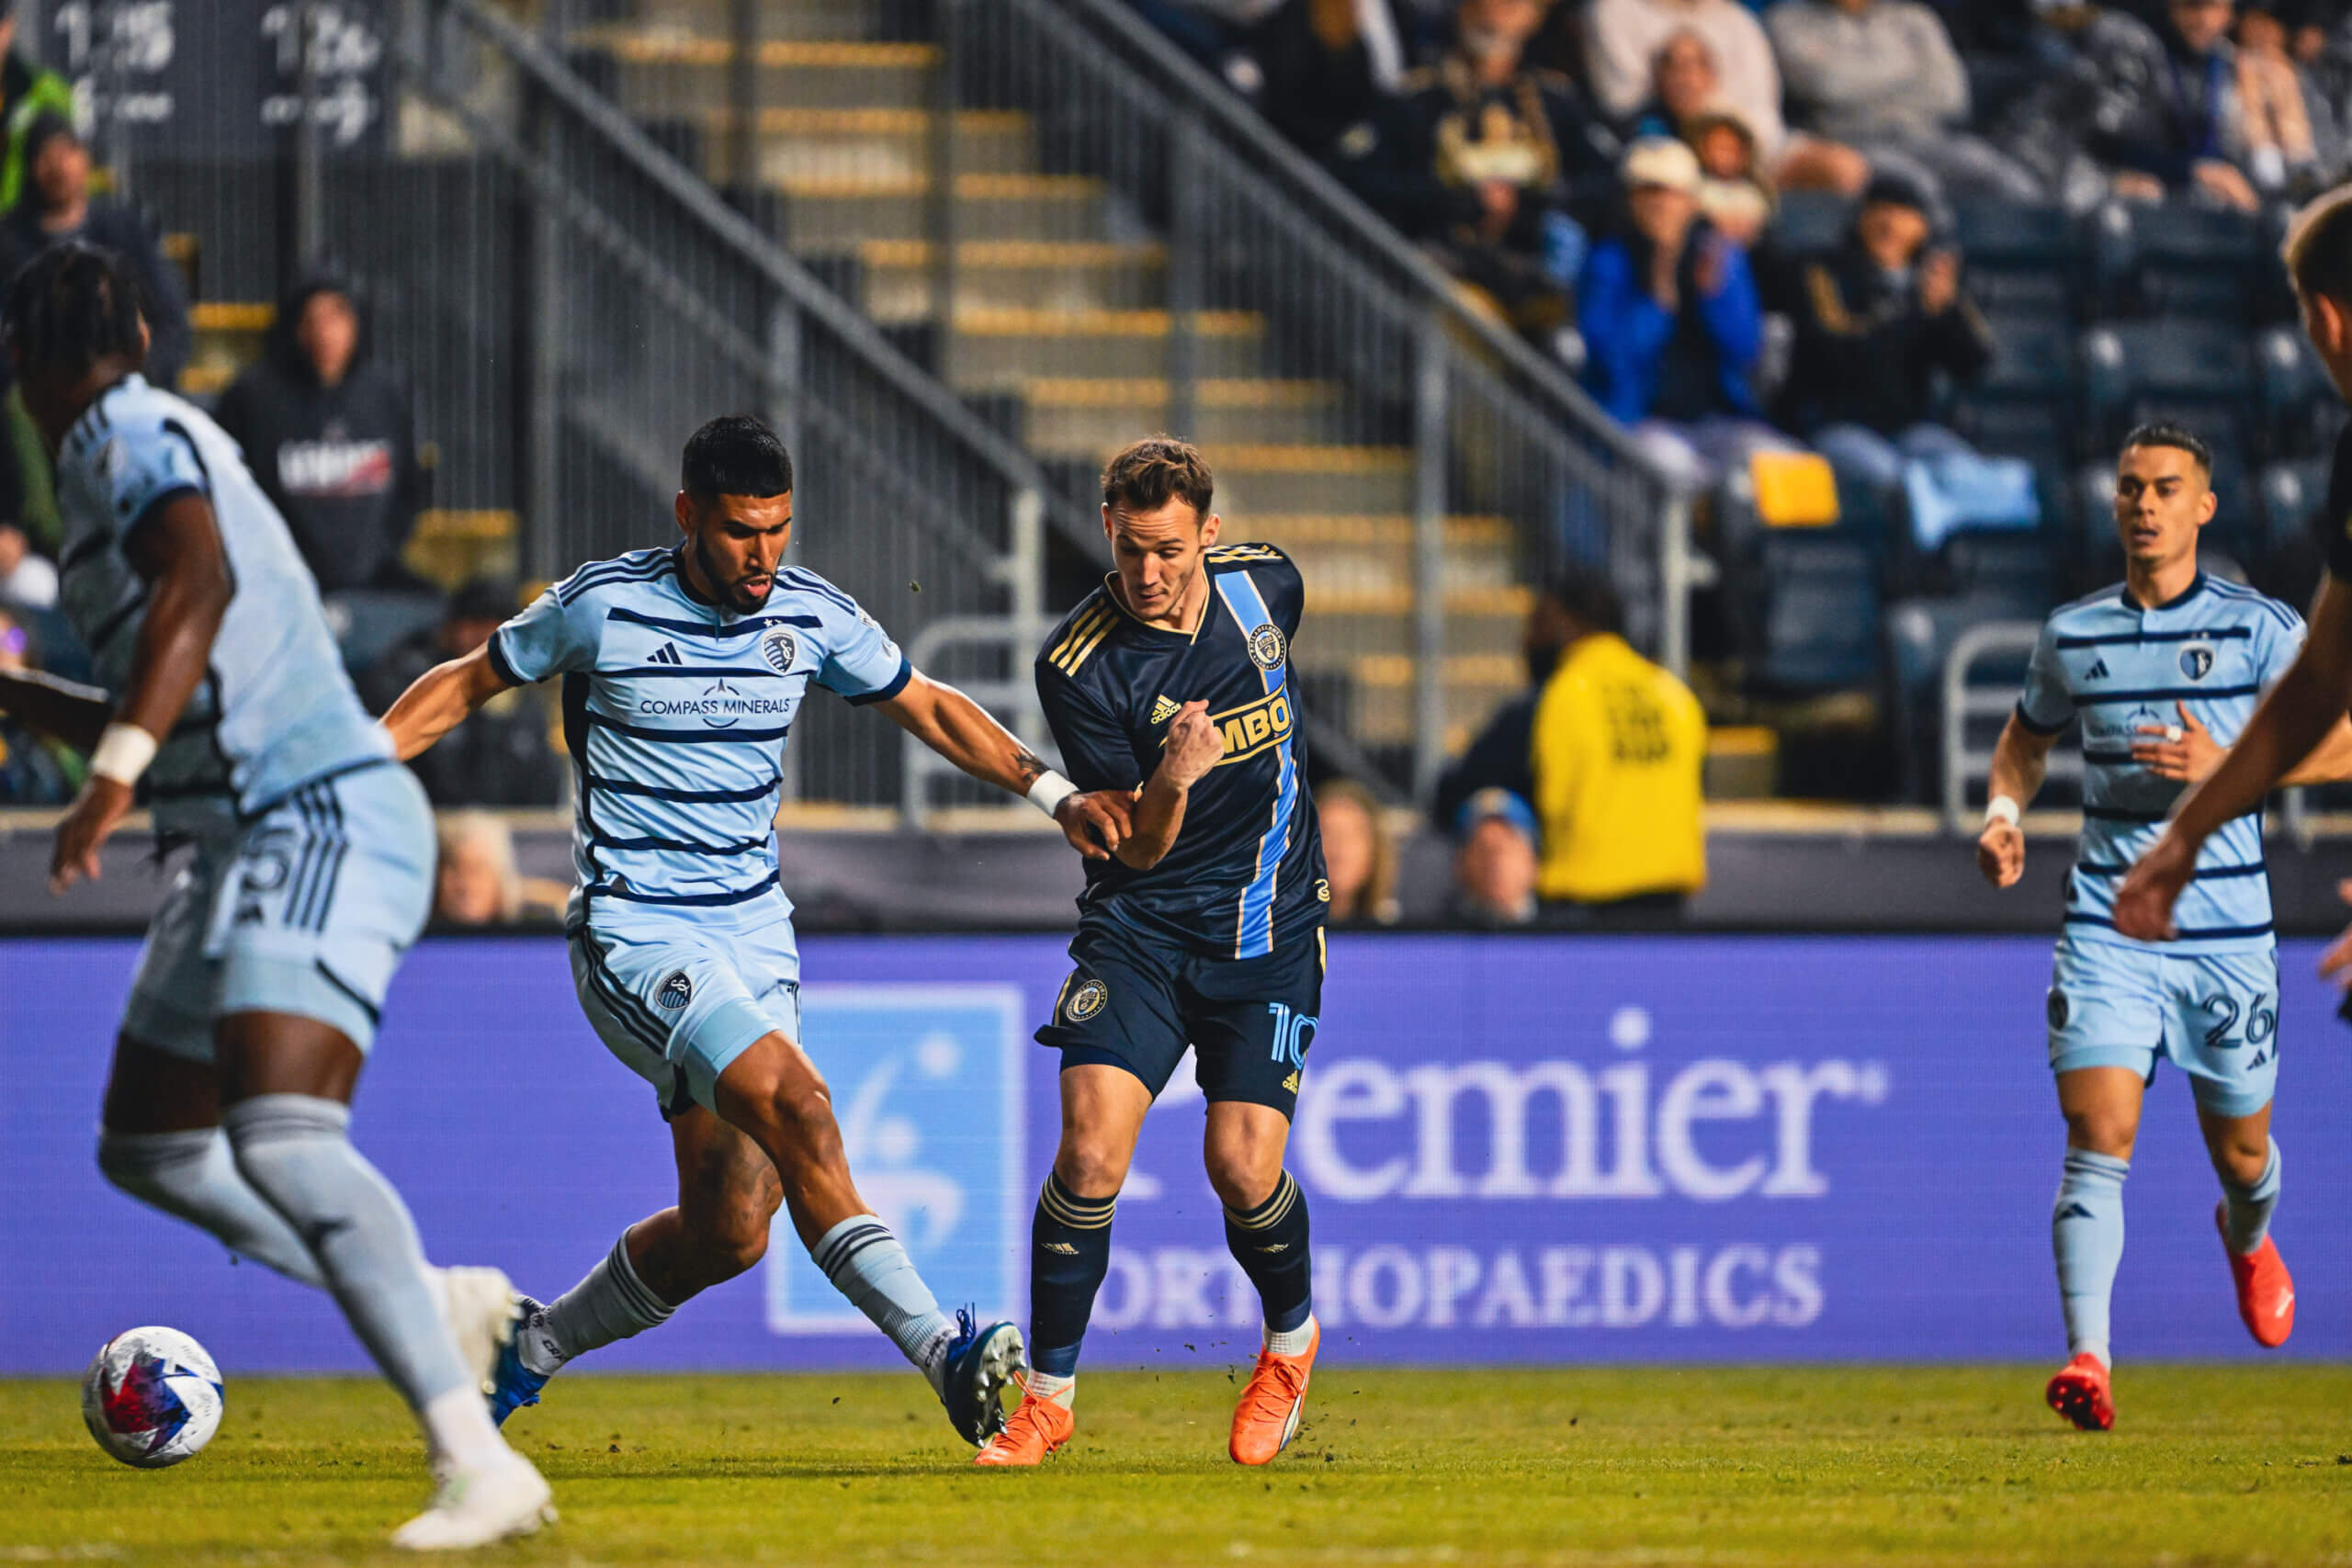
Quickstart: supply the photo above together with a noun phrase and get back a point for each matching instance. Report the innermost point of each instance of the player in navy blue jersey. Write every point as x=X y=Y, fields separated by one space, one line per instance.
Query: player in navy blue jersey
x=2161 y=671
x=683 y=671
x=1203 y=931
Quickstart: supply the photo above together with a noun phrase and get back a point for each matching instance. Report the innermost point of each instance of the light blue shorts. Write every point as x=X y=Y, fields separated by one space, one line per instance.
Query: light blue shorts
x=2214 y=1016
x=678 y=1000
x=306 y=910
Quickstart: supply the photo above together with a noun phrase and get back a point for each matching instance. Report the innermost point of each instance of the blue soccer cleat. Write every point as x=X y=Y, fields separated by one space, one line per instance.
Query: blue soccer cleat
x=980 y=1368
x=512 y=1385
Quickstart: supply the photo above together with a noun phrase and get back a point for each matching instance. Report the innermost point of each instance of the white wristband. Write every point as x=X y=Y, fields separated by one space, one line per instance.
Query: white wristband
x=2001 y=809
x=123 y=752
x=1050 y=790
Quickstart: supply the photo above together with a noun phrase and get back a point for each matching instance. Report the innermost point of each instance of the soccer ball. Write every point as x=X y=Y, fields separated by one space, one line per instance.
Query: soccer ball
x=152 y=1397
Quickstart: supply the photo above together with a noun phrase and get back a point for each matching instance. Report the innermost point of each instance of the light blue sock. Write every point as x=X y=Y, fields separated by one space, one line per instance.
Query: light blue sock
x=2086 y=1234
x=2246 y=1215
x=192 y=1176
x=293 y=1149
x=867 y=1264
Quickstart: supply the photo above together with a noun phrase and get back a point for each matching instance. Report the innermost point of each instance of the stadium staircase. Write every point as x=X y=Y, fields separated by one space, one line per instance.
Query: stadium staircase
x=1064 y=329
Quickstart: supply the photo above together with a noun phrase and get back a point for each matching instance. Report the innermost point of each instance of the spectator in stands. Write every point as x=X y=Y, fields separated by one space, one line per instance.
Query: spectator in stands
x=500 y=756
x=56 y=205
x=1617 y=750
x=2146 y=114
x=1671 y=325
x=26 y=93
x=1495 y=862
x=477 y=882
x=1622 y=39
x=1882 y=77
x=1358 y=854
x=32 y=772
x=1327 y=70
x=2294 y=139
x=1877 y=319
x=332 y=435
x=1500 y=756
x=26 y=579
x=1497 y=166
x=1735 y=190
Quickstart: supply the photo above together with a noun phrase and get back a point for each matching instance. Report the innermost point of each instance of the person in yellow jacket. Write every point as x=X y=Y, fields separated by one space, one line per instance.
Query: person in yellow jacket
x=1616 y=752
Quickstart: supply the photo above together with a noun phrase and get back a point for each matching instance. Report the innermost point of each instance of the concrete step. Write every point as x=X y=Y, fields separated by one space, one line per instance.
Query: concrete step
x=227 y=337
x=1006 y=350
x=664 y=75
x=1013 y=274
x=778 y=18
x=1476 y=684
x=1257 y=480
x=451 y=545
x=837 y=215
x=1375 y=554
x=867 y=143
x=1341 y=627
x=1080 y=417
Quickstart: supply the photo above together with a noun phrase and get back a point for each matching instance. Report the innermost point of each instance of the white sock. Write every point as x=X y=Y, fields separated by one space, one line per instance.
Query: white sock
x=1294 y=1343
x=458 y=1431
x=611 y=1303
x=867 y=1264
x=1060 y=1390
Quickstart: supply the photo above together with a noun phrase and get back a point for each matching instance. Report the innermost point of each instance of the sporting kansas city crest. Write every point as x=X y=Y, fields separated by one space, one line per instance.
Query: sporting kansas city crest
x=2196 y=660
x=779 y=648
x=1266 y=649
x=675 y=992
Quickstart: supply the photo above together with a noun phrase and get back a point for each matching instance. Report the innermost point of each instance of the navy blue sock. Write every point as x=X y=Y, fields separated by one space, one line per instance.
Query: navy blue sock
x=1070 y=1251
x=1270 y=1242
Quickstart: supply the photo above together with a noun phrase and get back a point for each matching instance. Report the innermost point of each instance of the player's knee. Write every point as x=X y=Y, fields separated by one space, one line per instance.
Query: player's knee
x=802 y=1115
x=1243 y=1179
x=2103 y=1132
x=2240 y=1155
x=1091 y=1169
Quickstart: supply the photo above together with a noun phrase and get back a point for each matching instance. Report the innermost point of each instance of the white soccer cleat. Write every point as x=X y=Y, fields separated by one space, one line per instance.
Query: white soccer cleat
x=476 y=1507
x=483 y=1310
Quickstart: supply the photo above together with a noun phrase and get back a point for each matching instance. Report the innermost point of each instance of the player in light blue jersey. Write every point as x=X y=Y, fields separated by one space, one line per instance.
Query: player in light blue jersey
x=257 y=996
x=683 y=671
x=2161 y=671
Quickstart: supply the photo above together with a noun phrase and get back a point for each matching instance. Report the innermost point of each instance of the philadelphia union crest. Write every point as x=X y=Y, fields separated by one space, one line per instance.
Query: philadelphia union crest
x=779 y=648
x=1087 y=1000
x=1266 y=647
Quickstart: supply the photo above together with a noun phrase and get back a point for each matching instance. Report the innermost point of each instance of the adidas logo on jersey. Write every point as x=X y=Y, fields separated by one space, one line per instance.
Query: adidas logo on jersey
x=667 y=654
x=2098 y=672
x=1165 y=709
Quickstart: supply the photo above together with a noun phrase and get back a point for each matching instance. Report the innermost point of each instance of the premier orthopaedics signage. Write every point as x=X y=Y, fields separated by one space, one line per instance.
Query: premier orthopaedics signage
x=1515 y=1149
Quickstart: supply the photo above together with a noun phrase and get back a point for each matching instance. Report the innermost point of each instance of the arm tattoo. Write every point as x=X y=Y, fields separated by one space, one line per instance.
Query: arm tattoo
x=1026 y=763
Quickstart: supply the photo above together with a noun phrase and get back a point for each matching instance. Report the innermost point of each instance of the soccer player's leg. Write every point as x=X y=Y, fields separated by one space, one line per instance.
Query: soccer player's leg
x=728 y=1193
x=2106 y=1025
x=712 y=1020
x=1121 y=1035
x=1253 y=1021
x=2228 y=1029
x=329 y=890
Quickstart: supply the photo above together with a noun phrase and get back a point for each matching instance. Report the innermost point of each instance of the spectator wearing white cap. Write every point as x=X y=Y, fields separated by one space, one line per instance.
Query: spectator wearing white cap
x=1672 y=324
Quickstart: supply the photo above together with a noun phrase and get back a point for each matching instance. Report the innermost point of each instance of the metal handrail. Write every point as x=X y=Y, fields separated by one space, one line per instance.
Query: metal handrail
x=1964 y=764
x=1356 y=224
x=623 y=136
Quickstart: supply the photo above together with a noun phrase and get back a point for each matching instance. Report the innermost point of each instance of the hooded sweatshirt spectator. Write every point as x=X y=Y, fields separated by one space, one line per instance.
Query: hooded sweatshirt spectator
x=26 y=93
x=57 y=206
x=499 y=756
x=332 y=436
x=1882 y=75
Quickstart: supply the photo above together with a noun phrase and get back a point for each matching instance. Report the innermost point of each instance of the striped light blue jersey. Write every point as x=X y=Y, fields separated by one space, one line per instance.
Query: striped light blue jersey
x=276 y=709
x=675 y=712
x=2117 y=666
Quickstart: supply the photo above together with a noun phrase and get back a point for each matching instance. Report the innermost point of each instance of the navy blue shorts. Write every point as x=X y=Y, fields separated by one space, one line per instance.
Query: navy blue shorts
x=1135 y=1003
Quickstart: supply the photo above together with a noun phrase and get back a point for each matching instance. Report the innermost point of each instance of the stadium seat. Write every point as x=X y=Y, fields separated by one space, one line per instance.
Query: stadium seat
x=2193 y=259
x=2031 y=359
x=2021 y=260
x=1820 y=621
x=2298 y=400
x=2196 y=371
x=2291 y=492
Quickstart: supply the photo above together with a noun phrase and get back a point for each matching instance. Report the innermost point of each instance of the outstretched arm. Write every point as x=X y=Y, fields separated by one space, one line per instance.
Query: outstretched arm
x=177 y=550
x=441 y=699
x=2307 y=703
x=1193 y=748
x=2020 y=760
x=964 y=732
x=73 y=714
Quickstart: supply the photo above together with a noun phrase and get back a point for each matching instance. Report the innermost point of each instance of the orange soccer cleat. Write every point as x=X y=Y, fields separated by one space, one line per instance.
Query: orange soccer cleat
x=1267 y=1418
x=2081 y=1394
x=2265 y=1292
x=1035 y=1430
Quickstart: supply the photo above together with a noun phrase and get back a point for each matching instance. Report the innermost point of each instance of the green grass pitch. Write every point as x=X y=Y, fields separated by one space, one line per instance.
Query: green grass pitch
x=1735 y=1466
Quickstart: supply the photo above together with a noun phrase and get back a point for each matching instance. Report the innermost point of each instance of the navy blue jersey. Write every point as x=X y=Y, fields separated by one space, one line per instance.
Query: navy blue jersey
x=1245 y=874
